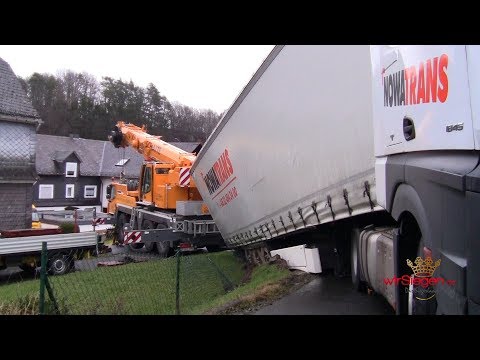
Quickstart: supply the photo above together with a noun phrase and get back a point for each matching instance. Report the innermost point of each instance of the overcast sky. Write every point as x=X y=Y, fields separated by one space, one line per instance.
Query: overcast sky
x=201 y=76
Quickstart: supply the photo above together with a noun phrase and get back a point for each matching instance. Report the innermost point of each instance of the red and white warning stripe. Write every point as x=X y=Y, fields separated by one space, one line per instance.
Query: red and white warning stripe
x=184 y=176
x=99 y=221
x=132 y=237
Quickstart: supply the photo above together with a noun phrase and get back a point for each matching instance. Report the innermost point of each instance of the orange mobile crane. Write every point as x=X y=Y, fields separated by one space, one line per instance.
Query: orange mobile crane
x=164 y=209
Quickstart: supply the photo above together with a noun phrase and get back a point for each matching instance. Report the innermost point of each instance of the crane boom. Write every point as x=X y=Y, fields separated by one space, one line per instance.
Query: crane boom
x=150 y=146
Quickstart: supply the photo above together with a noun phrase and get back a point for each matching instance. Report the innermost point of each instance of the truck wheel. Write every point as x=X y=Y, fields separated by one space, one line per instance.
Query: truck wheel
x=131 y=247
x=418 y=306
x=58 y=264
x=357 y=282
x=135 y=247
x=147 y=224
x=122 y=220
x=120 y=223
x=163 y=247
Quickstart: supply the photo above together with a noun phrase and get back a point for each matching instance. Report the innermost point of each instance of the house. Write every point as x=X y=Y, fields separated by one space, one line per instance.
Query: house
x=69 y=172
x=19 y=122
x=76 y=172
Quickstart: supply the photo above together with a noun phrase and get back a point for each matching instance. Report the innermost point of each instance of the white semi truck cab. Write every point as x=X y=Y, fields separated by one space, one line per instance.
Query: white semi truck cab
x=426 y=103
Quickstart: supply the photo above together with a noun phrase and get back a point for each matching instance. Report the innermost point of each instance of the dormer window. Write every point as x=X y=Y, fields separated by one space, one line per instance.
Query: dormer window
x=122 y=162
x=71 y=169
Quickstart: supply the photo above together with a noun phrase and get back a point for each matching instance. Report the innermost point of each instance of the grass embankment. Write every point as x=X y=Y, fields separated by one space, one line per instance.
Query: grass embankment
x=150 y=287
x=268 y=284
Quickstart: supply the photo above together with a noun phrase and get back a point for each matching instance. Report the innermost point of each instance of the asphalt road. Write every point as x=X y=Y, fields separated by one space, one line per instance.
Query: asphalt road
x=327 y=295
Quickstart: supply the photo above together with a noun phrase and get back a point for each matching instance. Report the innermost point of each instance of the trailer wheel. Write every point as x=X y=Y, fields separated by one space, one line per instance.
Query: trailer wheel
x=357 y=282
x=266 y=254
x=58 y=264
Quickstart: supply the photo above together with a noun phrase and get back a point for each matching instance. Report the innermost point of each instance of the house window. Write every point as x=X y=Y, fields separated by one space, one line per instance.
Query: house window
x=45 y=191
x=90 y=191
x=71 y=169
x=69 y=191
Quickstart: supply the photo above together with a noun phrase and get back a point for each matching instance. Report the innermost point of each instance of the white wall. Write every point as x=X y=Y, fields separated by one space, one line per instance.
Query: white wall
x=105 y=182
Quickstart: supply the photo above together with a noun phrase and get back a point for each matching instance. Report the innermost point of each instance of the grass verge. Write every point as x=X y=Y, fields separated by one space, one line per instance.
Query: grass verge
x=144 y=288
x=217 y=283
x=268 y=283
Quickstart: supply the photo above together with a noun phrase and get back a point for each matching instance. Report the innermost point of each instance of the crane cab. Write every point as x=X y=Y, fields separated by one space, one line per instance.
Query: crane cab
x=161 y=186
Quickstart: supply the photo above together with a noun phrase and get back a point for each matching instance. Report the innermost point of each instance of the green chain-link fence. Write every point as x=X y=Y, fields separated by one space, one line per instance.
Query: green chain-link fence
x=122 y=282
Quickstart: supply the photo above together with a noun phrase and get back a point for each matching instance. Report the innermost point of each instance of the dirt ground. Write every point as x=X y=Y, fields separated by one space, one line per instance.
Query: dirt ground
x=265 y=295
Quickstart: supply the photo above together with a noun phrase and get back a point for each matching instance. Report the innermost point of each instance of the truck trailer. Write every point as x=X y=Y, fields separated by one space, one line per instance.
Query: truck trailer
x=367 y=154
x=23 y=248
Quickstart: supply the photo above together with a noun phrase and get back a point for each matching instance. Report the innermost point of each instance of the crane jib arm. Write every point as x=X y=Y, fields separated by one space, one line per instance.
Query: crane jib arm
x=149 y=145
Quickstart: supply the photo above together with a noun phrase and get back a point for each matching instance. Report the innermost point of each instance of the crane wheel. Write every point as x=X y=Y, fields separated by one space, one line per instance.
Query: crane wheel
x=163 y=247
x=147 y=224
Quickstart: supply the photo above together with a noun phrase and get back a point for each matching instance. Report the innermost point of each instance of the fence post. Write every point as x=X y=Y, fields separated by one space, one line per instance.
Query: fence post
x=43 y=277
x=76 y=228
x=94 y=223
x=177 y=292
x=51 y=295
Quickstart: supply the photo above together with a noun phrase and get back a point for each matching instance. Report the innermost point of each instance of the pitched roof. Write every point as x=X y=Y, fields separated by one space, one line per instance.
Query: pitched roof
x=112 y=156
x=61 y=156
x=13 y=99
x=50 y=148
x=97 y=157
